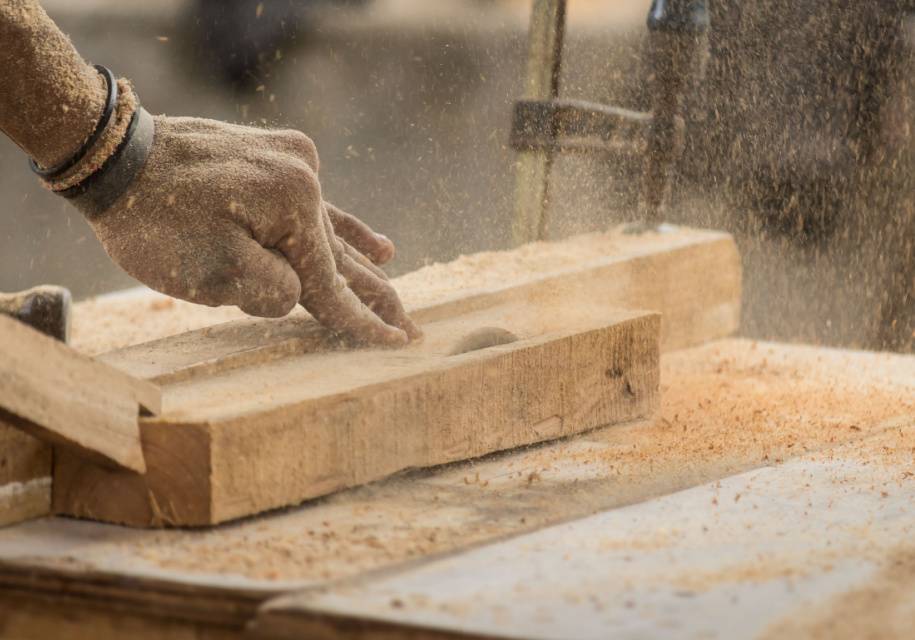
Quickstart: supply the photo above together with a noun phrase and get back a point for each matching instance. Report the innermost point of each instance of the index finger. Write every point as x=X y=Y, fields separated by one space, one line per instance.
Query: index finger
x=326 y=295
x=376 y=247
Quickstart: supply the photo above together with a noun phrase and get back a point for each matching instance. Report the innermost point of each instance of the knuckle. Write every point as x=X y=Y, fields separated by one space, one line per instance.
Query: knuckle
x=297 y=185
x=387 y=292
x=304 y=146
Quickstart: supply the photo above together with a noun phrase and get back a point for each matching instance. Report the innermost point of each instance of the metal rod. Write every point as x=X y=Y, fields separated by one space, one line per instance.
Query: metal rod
x=532 y=169
x=674 y=31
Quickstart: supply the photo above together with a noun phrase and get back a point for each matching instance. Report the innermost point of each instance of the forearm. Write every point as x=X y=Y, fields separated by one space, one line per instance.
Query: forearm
x=50 y=98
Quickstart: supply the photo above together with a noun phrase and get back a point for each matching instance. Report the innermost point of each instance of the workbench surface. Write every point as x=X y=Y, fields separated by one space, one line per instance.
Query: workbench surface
x=771 y=496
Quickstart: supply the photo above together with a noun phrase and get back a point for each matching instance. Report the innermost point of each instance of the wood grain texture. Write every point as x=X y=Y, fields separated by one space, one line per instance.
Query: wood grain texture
x=277 y=413
x=31 y=618
x=64 y=398
x=259 y=438
x=742 y=405
x=692 y=278
x=25 y=476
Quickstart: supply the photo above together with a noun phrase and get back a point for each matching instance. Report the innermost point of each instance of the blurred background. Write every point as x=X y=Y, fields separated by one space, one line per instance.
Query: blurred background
x=799 y=135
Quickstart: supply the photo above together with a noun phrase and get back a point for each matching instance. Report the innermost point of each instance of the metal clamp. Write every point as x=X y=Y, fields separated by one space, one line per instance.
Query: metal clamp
x=575 y=125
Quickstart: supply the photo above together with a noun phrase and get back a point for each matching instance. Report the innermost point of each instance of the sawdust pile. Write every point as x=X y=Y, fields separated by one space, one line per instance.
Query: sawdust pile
x=728 y=407
x=108 y=323
x=739 y=403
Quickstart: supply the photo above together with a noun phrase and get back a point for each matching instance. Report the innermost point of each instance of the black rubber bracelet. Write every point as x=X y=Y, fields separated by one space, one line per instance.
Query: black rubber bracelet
x=97 y=193
x=110 y=104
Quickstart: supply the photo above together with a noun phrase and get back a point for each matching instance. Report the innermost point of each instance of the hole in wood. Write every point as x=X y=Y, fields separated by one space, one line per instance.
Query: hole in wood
x=483 y=338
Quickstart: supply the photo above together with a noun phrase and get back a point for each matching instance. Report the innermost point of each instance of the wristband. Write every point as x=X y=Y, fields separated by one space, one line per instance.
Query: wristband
x=111 y=102
x=95 y=195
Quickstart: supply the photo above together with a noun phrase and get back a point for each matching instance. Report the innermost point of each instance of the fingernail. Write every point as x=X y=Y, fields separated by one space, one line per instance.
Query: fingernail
x=387 y=251
x=414 y=331
x=402 y=340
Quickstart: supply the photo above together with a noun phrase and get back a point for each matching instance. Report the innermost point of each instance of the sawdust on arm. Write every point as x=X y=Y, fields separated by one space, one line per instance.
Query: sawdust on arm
x=50 y=98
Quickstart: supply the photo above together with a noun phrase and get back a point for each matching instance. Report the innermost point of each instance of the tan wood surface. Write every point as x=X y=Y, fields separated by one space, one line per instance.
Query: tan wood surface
x=25 y=476
x=710 y=562
x=65 y=398
x=728 y=408
x=691 y=277
x=308 y=419
x=288 y=430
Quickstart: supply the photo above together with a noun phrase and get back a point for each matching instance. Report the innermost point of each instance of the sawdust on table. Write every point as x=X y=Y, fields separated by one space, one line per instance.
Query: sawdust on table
x=740 y=402
x=727 y=407
x=883 y=608
x=491 y=269
x=107 y=323
x=732 y=406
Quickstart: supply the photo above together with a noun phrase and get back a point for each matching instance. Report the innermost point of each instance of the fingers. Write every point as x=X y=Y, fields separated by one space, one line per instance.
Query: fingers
x=378 y=248
x=361 y=259
x=240 y=272
x=375 y=291
x=326 y=295
x=378 y=295
x=269 y=288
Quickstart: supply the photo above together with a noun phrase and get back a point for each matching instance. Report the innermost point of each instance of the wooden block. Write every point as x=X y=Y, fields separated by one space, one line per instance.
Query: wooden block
x=697 y=290
x=693 y=278
x=259 y=438
x=54 y=393
x=712 y=397
x=261 y=414
x=25 y=476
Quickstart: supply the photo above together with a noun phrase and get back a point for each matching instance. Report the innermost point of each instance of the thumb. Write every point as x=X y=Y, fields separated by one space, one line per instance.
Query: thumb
x=265 y=286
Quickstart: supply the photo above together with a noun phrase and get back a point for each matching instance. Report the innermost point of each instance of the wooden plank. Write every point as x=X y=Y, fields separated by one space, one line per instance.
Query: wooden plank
x=30 y=618
x=692 y=278
x=728 y=407
x=62 y=397
x=238 y=391
x=311 y=424
x=25 y=476
x=741 y=554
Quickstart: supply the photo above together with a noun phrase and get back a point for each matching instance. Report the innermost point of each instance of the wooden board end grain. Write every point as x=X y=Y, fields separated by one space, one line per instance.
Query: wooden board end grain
x=25 y=476
x=62 y=397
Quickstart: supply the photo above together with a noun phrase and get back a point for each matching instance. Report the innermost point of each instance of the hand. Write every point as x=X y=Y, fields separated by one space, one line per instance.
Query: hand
x=229 y=215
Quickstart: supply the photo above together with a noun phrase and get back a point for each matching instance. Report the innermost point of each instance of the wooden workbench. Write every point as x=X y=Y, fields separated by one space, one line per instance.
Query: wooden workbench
x=772 y=496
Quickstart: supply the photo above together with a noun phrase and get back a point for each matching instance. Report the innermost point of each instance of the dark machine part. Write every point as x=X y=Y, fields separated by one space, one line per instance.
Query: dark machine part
x=564 y=125
x=242 y=39
x=45 y=308
x=797 y=111
x=544 y=124
x=675 y=30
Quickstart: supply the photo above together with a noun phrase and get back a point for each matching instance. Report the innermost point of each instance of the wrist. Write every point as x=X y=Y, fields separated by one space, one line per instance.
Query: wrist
x=105 y=168
x=104 y=142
